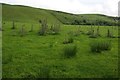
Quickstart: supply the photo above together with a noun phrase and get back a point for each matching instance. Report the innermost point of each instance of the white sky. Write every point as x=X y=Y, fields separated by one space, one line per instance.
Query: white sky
x=107 y=7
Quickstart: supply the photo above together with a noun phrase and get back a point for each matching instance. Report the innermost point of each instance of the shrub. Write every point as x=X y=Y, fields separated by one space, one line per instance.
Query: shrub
x=98 y=46
x=70 y=51
x=44 y=27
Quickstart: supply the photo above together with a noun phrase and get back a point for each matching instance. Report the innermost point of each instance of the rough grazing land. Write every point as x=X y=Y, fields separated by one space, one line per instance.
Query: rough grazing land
x=35 y=56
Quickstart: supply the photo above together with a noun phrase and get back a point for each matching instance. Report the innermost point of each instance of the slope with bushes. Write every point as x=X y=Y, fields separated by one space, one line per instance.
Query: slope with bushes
x=29 y=14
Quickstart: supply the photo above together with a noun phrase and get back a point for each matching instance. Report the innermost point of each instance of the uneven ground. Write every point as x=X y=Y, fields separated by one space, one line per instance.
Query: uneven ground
x=41 y=56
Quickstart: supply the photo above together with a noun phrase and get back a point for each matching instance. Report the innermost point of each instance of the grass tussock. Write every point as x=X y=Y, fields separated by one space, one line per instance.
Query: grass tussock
x=70 y=51
x=99 y=46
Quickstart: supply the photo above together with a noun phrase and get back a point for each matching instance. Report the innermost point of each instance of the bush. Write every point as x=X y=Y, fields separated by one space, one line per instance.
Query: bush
x=99 y=46
x=70 y=51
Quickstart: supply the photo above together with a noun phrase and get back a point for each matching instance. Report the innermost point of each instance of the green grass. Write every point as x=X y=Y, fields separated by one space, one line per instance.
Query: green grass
x=35 y=56
x=26 y=56
x=70 y=51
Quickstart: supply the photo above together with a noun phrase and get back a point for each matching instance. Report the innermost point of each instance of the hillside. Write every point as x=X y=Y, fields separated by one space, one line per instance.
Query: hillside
x=29 y=14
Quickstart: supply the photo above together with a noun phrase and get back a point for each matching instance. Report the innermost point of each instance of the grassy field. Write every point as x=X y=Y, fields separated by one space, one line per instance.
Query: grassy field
x=35 y=56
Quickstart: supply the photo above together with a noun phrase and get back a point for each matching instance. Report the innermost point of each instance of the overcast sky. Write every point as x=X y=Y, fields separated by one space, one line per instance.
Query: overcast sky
x=107 y=7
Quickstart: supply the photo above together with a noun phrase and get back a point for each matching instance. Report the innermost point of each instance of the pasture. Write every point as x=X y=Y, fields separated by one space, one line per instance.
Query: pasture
x=42 y=56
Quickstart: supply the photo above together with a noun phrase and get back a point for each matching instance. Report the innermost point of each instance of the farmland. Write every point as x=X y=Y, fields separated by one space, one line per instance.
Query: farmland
x=27 y=54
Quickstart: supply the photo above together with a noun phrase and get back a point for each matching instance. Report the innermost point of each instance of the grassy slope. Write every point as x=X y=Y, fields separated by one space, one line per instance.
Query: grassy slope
x=28 y=14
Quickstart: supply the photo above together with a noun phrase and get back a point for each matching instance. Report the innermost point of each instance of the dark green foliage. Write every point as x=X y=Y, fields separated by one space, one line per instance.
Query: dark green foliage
x=44 y=27
x=98 y=46
x=84 y=20
x=70 y=51
x=13 y=25
x=70 y=40
x=40 y=21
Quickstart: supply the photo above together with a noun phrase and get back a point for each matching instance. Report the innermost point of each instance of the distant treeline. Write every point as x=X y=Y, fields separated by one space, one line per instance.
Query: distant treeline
x=97 y=22
x=86 y=19
x=115 y=22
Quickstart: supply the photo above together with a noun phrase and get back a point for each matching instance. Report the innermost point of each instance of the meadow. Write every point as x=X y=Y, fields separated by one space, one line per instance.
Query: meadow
x=42 y=56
